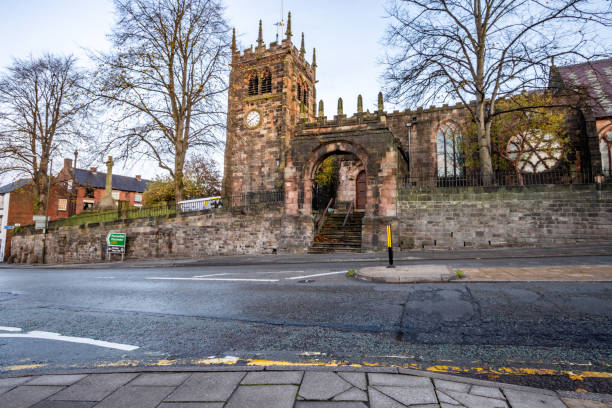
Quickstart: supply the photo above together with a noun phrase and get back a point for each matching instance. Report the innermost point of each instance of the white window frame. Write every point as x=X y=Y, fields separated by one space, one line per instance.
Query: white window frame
x=61 y=207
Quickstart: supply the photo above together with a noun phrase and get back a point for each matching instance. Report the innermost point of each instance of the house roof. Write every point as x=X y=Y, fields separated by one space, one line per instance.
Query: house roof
x=596 y=77
x=14 y=185
x=98 y=180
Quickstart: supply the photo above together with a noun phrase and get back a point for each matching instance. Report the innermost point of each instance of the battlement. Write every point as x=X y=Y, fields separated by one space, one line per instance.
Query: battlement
x=422 y=110
x=274 y=48
x=368 y=119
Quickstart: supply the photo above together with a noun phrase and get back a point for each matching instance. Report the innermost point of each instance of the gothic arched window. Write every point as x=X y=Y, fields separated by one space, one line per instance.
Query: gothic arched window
x=253 y=83
x=534 y=152
x=299 y=91
x=450 y=160
x=266 y=81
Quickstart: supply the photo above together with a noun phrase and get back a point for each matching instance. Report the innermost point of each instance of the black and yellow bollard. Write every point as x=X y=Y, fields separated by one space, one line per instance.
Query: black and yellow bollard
x=390 y=247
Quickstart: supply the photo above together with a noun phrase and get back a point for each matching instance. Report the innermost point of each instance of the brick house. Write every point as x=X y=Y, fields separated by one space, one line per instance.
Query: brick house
x=85 y=189
x=17 y=209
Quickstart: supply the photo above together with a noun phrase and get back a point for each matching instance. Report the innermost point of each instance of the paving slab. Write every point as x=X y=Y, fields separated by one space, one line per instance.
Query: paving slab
x=135 y=397
x=269 y=396
x=322 y=386
x=94 y=387
x=445 y=398
x=273 y=377
x=522 y=399
x=486 y=392
x=451 y=385
x=207 y=387
x=163 y=379
x=354 y=394
x=12 y=382
x=191 y=405
x=56 y=379
x=595 y=273
x=325 y=404
x=475 y=401
x=380 y=400
x=407 y=274
x=25 y=396
x=65 y=404
x=356 y=379
x=399 y=380
x=5 y=389
x=409 y=395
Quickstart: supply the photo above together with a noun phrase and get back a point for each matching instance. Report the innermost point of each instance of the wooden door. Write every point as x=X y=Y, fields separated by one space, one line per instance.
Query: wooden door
x=361 y=191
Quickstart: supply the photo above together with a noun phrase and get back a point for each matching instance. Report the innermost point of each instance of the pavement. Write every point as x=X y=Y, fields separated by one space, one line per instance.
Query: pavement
x=408 y=274
x=443 y=273
x=374 y=258
x=278 y=387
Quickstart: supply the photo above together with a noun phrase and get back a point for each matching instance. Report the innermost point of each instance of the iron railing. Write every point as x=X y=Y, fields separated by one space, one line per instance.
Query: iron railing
x=505 y=178
x=124 y=212
x=255 y=198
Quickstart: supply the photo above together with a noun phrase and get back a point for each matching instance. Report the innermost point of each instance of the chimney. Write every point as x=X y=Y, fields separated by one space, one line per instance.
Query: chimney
x=68 y=164
x=139 y=177
x=93 y=170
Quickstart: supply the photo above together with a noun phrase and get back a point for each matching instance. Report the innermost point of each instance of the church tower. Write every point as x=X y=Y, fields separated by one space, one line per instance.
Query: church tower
x=271 y=89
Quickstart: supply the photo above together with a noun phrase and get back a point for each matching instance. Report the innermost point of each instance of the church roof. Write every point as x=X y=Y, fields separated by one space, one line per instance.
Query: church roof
x=596 y=78
x=98 y=180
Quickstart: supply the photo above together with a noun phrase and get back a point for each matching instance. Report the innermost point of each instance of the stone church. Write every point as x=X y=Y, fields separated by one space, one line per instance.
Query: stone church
x=277 y=140
x=402 y=169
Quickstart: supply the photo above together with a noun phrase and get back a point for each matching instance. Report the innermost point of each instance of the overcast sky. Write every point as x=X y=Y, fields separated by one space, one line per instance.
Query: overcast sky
x=346 y=33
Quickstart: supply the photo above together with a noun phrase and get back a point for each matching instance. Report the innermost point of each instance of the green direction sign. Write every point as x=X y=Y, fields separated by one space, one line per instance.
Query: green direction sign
x=116 y=239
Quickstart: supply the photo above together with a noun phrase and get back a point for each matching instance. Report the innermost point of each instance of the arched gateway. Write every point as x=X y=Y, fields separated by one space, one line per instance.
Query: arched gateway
x=365 y=137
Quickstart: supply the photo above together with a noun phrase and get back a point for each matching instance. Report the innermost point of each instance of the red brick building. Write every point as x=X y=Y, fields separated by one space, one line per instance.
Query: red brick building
x=17 y=209
x=85 y=188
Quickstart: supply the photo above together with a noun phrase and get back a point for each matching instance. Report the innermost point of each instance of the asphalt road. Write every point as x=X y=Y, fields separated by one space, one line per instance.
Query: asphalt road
x=281 y=312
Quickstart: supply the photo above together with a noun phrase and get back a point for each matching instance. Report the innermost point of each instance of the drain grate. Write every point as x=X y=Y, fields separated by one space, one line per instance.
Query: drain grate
x=306 y=281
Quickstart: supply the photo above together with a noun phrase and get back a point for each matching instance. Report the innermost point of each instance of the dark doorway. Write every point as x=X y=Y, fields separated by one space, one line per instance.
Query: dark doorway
x=361 y=191
x=325 y=184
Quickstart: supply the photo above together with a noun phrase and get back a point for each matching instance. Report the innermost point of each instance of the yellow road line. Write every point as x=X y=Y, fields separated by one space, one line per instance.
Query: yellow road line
x=22 y=367
x=575 y=375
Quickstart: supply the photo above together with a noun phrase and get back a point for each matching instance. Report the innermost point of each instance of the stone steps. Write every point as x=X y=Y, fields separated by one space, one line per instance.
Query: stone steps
x=333 y=237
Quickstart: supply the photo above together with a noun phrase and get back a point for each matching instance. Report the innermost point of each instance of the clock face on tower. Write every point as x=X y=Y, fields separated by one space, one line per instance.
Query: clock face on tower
x=253 y=119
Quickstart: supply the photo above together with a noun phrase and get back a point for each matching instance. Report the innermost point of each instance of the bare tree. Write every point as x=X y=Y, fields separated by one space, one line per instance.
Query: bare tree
x=484 y=50
x=41 y=107
x=165 y=80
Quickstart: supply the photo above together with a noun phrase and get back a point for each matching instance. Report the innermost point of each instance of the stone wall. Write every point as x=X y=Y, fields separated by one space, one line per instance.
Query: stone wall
x=501 y=217
x=195 y=235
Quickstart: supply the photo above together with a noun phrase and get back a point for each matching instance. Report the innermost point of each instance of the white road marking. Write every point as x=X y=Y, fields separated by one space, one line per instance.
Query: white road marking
x=83 y=340
x=214 y=274
x=216 y=279
x=315 y=275
x=10 y=329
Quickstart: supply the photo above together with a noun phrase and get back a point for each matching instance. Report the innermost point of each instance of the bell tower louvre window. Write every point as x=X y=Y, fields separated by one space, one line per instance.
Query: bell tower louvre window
x=253 y=84
x=266 y=81
x=305 y=95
